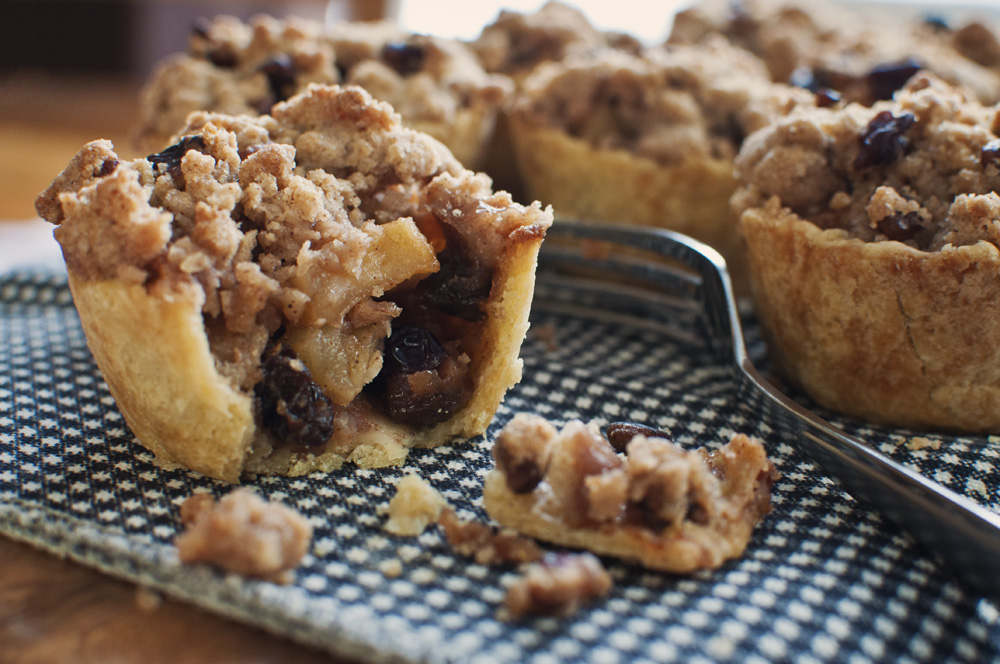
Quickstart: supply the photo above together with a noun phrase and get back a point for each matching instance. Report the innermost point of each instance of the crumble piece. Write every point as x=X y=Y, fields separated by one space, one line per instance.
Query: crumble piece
x=484 y=544
x=656 y=504
x=557 y=585
x=243 y=533
x=415 y=505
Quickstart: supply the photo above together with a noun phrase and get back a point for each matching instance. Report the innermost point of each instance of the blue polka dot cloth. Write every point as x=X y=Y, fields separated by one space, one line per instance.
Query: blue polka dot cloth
x=823 y=579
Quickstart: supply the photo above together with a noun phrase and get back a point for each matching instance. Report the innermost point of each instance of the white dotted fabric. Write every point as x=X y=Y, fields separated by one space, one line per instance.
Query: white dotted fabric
x=823 y=580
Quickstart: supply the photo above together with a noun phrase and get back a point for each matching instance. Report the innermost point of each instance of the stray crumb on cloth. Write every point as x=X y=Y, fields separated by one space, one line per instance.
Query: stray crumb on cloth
x=920 y=443
x=415 y=506
x=243 y=533
x=484 y=544
x=557 y=585
x=147 y=599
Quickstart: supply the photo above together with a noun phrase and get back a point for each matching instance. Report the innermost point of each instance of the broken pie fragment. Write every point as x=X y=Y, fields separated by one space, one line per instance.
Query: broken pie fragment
x=281 y=294
x=659 y=505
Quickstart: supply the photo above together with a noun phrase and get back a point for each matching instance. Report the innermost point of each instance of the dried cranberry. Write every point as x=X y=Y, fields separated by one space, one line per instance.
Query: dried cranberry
x=883 y=140
x=621 y=433
x=991 y=153
x=280 y=72
x=885 y=79
x=292 y=405
x=413 y=348
x=901 y=226
x=171 y=157
x=406 y=59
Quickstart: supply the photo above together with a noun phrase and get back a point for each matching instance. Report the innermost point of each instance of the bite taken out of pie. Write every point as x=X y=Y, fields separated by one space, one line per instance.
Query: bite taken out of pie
x=284 y=293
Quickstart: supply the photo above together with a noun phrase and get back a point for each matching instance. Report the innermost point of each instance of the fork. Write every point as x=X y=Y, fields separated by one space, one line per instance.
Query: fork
x=662 y=279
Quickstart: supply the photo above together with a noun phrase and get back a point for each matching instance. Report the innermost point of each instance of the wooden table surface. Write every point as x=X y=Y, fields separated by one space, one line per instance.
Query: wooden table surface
x=53 y=611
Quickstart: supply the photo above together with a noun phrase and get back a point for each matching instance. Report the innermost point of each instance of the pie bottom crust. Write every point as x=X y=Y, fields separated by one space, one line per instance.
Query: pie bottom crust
x=879 y=330
x=154 y=354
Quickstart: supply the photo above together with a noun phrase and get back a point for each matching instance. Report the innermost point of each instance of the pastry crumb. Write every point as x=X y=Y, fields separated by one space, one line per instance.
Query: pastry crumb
x=485 y=545
x=244 y=534
x=558 y=585
x=392 y=568
x=920 y=443
x=147 y=599
x=415 y=506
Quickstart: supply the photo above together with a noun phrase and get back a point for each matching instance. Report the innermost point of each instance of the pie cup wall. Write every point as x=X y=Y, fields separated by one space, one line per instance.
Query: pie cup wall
x=879 y=330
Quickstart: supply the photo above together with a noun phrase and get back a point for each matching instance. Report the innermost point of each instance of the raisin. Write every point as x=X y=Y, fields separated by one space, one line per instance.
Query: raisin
x=422 y=385
x=414 y=348
x=108 y=167
x=991 y=153
x=885 y=79
x=422 y=398
x=459 y=286
x=826 y=98
x=171 y=157
x=280 y=72
x=901 y=226
x=807 y=78
x=293 y=407
x=883 y=140
x=937 y=22
x=523 y=473
x=406 y=59
x=621 y=433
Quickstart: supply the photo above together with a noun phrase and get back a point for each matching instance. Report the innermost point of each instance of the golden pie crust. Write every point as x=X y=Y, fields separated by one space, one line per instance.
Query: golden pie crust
x=879 y=330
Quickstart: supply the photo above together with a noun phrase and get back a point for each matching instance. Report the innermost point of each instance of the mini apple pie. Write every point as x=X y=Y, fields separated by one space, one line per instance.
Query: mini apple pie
x=646 y=140
x=872 y=236
x=437 y=85
x=855 y=53
x=644 y=499
x=280 y=294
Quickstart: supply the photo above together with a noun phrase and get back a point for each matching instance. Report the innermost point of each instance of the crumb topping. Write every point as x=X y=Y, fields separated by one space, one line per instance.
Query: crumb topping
x=669 y=105
x=920 y=169
x=862 y=54
x=236 y=68
x=515 y=42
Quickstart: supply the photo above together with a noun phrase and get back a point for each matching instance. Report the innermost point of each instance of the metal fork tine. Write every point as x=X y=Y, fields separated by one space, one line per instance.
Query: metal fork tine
x=963 y=534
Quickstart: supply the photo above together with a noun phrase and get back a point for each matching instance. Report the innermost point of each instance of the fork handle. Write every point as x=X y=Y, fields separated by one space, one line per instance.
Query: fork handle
x=961 y=534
